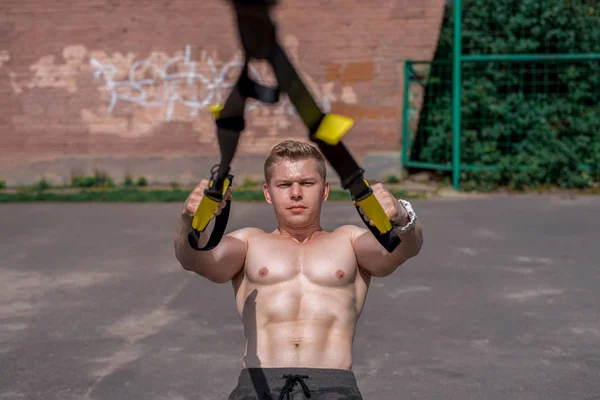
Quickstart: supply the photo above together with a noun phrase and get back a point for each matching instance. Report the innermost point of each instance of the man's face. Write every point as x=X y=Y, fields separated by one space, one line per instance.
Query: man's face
x=296 y=191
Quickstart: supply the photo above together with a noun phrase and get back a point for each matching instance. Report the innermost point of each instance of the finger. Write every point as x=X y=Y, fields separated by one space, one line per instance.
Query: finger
x=377 y=188
x=198 y=191
x=191 y=208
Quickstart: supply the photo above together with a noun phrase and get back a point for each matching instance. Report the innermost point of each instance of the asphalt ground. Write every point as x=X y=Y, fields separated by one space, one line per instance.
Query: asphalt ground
x=502 y=303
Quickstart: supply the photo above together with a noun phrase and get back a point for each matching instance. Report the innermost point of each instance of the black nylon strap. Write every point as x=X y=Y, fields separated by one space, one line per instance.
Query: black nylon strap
x=346 y=167
x=389 y=240
x=291 y=84
x=257 y=34
x=230 y=124
x=221 y=221
x=351 y=174
x=252 y=89
x=338 y=155
x=236 y=124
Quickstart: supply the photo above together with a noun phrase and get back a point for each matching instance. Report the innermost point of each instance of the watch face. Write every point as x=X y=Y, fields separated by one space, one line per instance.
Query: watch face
x=408 y=207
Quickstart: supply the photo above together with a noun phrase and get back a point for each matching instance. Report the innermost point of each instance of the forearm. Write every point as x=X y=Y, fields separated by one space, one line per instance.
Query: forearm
x=377 y=261
x=409 y=247
x=411 y=236
x=190 y=259
x=411 y=244
x=371 y=256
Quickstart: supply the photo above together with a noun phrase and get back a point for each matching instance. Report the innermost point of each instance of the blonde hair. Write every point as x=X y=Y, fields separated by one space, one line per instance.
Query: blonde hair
x=294 y=150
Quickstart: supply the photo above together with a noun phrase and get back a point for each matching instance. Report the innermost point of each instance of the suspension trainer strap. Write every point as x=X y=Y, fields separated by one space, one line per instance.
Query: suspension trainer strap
x=257 y=34
x=230 y=122
x=327 y=130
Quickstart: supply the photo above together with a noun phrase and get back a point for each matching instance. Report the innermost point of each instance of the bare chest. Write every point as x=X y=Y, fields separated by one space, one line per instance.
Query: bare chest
x=327 y=261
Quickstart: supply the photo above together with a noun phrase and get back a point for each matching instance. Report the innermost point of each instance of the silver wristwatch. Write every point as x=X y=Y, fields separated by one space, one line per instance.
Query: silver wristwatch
x=412 y=217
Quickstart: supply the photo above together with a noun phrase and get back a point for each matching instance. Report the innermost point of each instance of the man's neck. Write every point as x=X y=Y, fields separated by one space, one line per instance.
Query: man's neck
x=300 y=235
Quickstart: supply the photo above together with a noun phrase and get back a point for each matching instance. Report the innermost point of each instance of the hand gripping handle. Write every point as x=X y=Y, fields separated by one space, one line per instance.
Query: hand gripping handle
x=382 y=227
x=205 y=212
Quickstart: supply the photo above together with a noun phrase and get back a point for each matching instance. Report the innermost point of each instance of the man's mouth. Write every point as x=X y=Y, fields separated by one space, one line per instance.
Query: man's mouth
x=297 y=208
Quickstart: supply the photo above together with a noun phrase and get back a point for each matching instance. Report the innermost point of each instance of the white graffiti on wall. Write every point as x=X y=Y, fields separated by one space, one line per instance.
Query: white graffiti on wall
x=190 y=88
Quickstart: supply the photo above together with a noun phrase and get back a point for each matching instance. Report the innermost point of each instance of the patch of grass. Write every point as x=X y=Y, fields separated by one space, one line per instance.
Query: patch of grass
x=392 y=179
x=122 y=195
x=41 y=185
x=141 y=182
x=141 y=195
x=99 y=179
x=248 y=183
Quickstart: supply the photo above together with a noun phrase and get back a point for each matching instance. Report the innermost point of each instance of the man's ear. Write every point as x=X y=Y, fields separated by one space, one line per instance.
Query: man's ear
x=267 y=194
x=325 y=191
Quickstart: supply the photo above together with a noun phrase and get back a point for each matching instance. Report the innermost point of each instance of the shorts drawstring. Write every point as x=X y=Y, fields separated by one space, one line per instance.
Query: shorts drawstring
x=290 y=383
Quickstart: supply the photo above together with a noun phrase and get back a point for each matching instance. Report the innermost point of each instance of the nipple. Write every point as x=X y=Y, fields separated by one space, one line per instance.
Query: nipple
x=263 y=272
x=339 y=273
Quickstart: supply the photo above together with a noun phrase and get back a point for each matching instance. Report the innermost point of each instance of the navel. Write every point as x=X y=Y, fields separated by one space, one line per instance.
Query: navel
x=263 y=271
x=339 y=273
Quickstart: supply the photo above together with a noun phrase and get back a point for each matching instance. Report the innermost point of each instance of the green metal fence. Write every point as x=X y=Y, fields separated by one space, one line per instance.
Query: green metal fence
x=529 y=98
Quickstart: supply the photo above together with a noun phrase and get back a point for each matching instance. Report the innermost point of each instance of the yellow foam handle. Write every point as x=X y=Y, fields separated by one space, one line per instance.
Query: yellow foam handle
x=375 y=212
x=204 y=213
x=332 y=128
x=206 y=209
x=226 y=184
x=216 y=109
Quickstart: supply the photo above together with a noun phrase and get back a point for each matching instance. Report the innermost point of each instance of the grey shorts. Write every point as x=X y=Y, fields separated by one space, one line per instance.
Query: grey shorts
x=295 y=384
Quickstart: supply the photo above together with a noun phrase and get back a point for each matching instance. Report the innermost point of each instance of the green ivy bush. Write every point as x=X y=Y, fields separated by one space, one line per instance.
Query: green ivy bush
x=536 y=123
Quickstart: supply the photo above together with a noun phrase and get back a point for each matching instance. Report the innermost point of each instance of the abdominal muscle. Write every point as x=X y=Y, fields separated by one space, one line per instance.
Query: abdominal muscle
x=299 y=324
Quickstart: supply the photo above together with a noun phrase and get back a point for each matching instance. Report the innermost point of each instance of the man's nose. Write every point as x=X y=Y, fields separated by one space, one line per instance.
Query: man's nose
x=296 y=191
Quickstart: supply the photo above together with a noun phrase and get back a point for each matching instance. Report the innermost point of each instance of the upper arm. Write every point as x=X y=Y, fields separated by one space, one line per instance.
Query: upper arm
x=227 y=259
x=361 y=247
x=371 y=256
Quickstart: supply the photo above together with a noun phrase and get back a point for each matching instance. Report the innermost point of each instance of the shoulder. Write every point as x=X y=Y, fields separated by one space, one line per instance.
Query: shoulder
x=245 y=234
x=352 y=231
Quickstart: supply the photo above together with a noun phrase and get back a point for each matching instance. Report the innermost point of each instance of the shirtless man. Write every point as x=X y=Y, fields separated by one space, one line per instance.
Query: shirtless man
x=299 y=289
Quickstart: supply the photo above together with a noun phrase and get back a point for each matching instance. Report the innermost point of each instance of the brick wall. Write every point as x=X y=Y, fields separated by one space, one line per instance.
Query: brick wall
x=83 y=88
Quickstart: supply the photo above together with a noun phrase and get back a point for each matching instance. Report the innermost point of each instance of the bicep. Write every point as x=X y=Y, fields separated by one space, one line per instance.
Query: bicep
x=361 y=245
x=365 y=250
x=229 y=256
x=371 y=256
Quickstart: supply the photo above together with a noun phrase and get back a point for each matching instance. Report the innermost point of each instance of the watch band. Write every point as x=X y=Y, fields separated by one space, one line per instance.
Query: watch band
x=412 y=217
